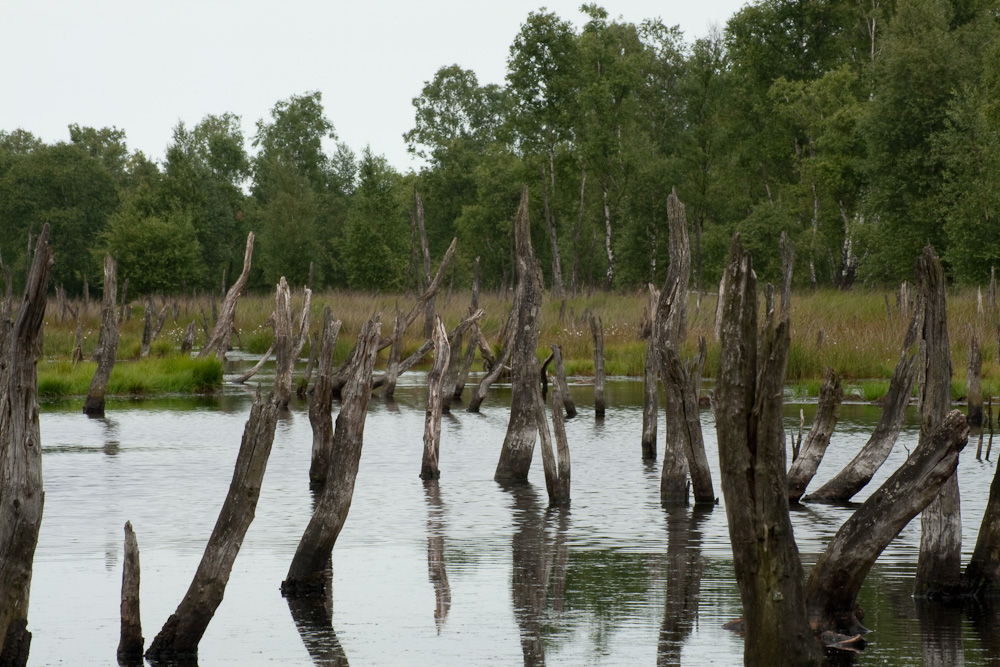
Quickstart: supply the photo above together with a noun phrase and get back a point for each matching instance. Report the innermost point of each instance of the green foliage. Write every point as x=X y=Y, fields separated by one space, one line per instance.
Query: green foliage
x=167 y=375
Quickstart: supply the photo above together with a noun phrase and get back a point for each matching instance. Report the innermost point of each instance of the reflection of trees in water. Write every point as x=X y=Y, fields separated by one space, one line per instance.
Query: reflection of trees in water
x=540 y=556
x=435 y=553
x=941 y=633
x=684 y=568
x=985 y=618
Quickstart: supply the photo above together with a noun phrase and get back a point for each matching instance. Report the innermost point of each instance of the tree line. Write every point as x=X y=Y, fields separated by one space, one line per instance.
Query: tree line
x=863 y=130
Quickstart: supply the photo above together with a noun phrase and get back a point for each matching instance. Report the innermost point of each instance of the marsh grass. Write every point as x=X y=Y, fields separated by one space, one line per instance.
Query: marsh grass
x=154 y=375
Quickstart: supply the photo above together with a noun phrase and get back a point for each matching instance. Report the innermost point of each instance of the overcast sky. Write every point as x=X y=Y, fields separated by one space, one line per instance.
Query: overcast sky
x=142 y=65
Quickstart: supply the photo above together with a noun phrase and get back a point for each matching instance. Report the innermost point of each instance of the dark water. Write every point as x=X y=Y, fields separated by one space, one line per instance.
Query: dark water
x=459 y=573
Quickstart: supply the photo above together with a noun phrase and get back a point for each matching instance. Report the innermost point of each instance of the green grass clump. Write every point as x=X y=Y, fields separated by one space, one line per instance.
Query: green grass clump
x=167 y=375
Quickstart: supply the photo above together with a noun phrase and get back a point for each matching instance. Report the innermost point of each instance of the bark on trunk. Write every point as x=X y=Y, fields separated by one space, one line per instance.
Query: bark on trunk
x=804 y=467
x=305 y=574
x=180 y=635
x=940 y=559
x=856 y=474
x=683 y=382
x=395 y=355
x=131 y=644
x=432 y=417
x=973 y=381
x=21 y=494
x=107 y=343
x=418 y=207
x=288 y=345
x=321 y=406
x=752 y=463
x=567 y=400
x=451 y=374
x=982 y=575
x=218 y=340
x=597 y=330
x=519 y=443
x=557 y=472
x=650 y=380
x=835 y=580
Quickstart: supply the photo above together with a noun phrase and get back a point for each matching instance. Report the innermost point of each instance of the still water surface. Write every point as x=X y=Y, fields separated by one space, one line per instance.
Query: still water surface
x=464 y=572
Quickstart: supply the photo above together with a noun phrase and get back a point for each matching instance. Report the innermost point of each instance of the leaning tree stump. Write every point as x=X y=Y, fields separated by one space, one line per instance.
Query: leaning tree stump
x=805 y=465
x=321 y=406
x=218 y=340
x=435 y=403
x=107 y=343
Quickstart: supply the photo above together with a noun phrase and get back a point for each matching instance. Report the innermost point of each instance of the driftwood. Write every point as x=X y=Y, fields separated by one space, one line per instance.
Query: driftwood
x=218 y=340
x=597 y=330
x=683 y=381
x=432 y=418
x=107 y=343
x=182 y=632
x=650 y=379
x=519 y=443
x=21 y=494
x=306 y=572
x=131 y=643
x=973 y=381
x=256 y=367
x=748 y=400
x=835 y=580
x=856 y=474
x=470 y=350
x=940 y=559
x=288 y=345
x=321 y=406
x=804 y=467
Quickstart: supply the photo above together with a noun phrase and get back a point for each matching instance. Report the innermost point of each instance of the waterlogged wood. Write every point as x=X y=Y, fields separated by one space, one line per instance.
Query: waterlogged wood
x=973 y=381
x=107 y=342
x=982 y=575
x=256 y=367
x=804 y=467
x=306 y=572
x=519 y=442
x=180 y=635
x=21 y=493
x=650 y=378
x=432 y=416
x=131 y=643
x=288 y=345
x=321 y=406
x=856 y=474
x=752 y=462
x=567 y=400
x=835 y=580
x=683 y=382
x=218 y=340
x=940 y=559
x=597 y=331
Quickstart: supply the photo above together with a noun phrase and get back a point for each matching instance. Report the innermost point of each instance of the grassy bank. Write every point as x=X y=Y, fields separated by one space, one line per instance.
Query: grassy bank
x=151 y=376
x=858 y=333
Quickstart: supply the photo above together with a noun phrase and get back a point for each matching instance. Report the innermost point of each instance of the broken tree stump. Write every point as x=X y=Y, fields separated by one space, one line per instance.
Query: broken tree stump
x=180 y=635
x=107 y=343
x=557 y=360
x=597 y=330
x=674 y=484
x=21 y=493
x=479 y=395
x=650 y=378
x=306 y=572
x=218 y=341
x=131 y=644
x=684 y=382
x=395 y=354
x=432 y=417
x=288 y=346
x=519 y=443
x=321 y=406
x=556 y=466
x=188 y=343
x=470 y=351
x=973 y=381
x=982 y=575
x=150 y=331
x=804 y=467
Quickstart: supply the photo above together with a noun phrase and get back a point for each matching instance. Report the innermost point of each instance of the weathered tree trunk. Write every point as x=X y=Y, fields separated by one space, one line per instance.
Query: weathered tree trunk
x=256 y=367
x=107 y=343
x=451 y=373
x=303 y=388
x=436 y=571
x=973 y=381
x=130 y=645
x=940 y=560
x=305 y=574
x=650 y=380
x=752 y=462
x=683 y=382
x=680 y=267
x=418 y=208
x=556 y=466
x=432 y=418
x=151 y=331
x=188 y=343
x=835 y=580
x=395 y=354
x=804 y=467
x=982 y=575
x=218 y=340
x=519 y=443
x=470 y=351
x=856 y=474
x=287 y=346
x=497 y=368
x=550 y=227
x=321 y=406
x=557 y=360
x=182 y=632
x=21 y=494
x=597 y=330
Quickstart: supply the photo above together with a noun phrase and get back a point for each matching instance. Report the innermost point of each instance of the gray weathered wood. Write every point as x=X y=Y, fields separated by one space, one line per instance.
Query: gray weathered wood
x=21 y=493
x=218 y=341
x=497 y=367
x=131 y=644
x=395 y=355
x=804 y=467
x=560 y=368
x=428 y=345
x=650 y=378
x=288 y=344
x=674 y=485
x=188 y=343
x=321 y=405
x=151 y=330
x=683 y=382
x=982 y=574
x=973 y=381
x=470 y=351
x=432 y=416
x=107 y=342
x=182 y=632
x=597 y=331
x=418 y=209
x=557 y=471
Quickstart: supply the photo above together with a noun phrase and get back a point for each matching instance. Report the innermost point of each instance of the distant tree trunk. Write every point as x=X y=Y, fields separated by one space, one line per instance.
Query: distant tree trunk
x=418 y=207
x=940 y=560
x=107 y=343
x=188 y=343
x=432 y=419
x=218 y=340
x=752 y=462
x=519 y=443
x=804 y=467
x=550 y=227
x=568 y=406
x=973 y=381
x=577 y=272
x=306 y=572
x=21 y=493
x=650 y=380
x=182 y=632
x=321 y=406
x=597 y=330
x=130 y=645
x=150 y=331
x=610 y=274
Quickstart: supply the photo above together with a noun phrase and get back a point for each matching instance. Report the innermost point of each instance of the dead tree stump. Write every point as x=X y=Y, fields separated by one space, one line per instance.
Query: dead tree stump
x=650 y=378
x=973 y=381
x=130 y=645
x=498 y=366
x=804 y=467
x=150 y=331
x=982 y=575
x=218 y=340
x=306 y=572
x=748 y=400
x=519 y=443
x=597 y=330
x=21 y=493
x=321 y=406
x=556 y=466
x=470 y=351
x=557 y=360
x=188 y=343
x=432 y=418
x=395 y=354
x=107 y=343
x=288 y=346
x=683 y=382
x=418 y=212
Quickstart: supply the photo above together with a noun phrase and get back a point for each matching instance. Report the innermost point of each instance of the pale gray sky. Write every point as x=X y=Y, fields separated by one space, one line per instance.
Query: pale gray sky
x=143 y=65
